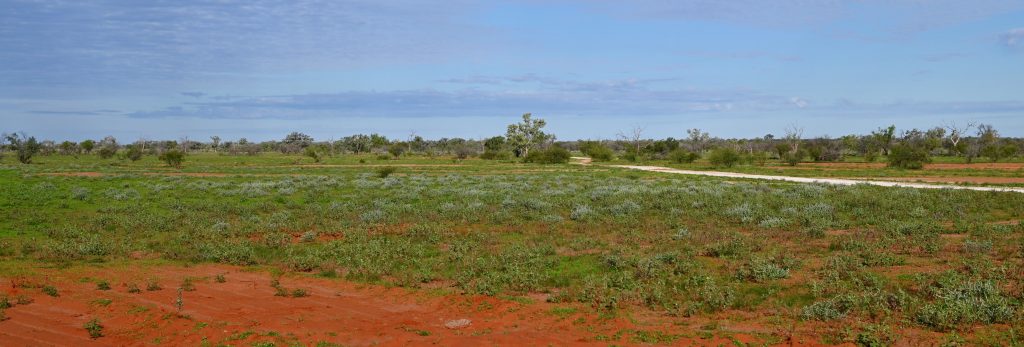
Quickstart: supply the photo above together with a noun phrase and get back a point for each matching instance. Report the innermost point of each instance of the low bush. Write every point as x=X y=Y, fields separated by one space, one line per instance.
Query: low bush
x=681 y=156
x=831 y=309
x=173 y=158
x=385 y=171
x=134 y=153
x=724 y=157
x=598 y=151
x=50 y=290
x=315 y=153
x=759 y=269
x=793 y=158
x=496 y=155
x=107 y=152
x=904 y=156
x=960 y=301
x=551 y=155
x=94 y=328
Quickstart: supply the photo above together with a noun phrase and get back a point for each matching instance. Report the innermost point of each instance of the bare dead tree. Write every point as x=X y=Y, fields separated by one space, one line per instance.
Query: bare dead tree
x=793 y=135
x=634 y=136
x=956 y=133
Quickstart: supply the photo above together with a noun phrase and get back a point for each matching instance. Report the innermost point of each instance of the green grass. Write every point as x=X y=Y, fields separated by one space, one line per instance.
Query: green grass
x=605 y=238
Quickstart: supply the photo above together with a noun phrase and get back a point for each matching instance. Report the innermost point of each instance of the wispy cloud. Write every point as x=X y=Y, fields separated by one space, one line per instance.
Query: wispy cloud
x=922 y=15
x=122 y=41
x=194 y=94
x=941 y=57
x=560 y=84
x=75 y=112
x=1013 y=38
x=618 y=98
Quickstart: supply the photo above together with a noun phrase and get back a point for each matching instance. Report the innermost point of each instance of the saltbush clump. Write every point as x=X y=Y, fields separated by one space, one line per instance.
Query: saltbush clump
x=758 y=269
x=580 y=212
x=960 y=301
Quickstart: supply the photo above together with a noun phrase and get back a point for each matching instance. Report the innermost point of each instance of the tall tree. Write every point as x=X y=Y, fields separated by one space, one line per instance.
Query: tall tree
x=527 y=134
x=25 y=145
x=883 y=137
x=698 y=140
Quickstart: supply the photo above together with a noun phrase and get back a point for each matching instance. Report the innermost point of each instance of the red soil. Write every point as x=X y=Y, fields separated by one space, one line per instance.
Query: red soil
x=74 y=174
x=244 y=310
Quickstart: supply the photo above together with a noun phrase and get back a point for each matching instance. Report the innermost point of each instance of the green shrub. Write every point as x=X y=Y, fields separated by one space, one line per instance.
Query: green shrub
x=875 y=336
x=830 y=309
x=713 y=298
x=152 y=286
x=973 y=246
x=681 y=156
x=997 y=152
x=50 y=290
x=724 y=157
x=26 y=147
x=904 y=156
x=107 y=152
x=235 y=253
x=958 y=301
x=385 y=171
x=598 y=151
x=187 y=285
x=314 y=152
x=551 y=155
x=94 y=328
x=103 y=285
x=793 y=158
x=134 y=153
x=173 y=157
x=397 y=149
x=496 y=155
x=759 y=269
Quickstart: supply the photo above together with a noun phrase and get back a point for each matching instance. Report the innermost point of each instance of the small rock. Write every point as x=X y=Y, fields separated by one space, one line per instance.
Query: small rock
x=458 y=323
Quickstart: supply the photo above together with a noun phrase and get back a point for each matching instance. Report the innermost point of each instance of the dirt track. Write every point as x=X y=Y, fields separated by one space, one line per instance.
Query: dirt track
x=836 y=181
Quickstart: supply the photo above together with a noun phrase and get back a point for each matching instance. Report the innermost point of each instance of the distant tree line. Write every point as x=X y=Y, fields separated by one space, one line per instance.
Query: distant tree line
x=911 y=148
x=526 y=141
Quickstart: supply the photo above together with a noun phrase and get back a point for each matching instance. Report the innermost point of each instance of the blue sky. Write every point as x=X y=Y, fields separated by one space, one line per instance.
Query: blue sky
x=168 y=69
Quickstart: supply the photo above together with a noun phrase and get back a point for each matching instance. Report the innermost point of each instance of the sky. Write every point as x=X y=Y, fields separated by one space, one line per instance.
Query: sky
x=169 y=69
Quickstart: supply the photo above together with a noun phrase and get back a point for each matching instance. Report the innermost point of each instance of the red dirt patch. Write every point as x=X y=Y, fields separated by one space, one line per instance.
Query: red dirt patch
x=74 y=174
x=244 y=310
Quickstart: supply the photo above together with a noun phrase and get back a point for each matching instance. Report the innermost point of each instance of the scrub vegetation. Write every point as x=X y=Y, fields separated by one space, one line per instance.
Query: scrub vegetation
x=863 y=264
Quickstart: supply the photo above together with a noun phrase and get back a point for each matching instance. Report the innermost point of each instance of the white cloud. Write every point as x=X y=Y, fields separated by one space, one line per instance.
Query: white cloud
x=1014 y=38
